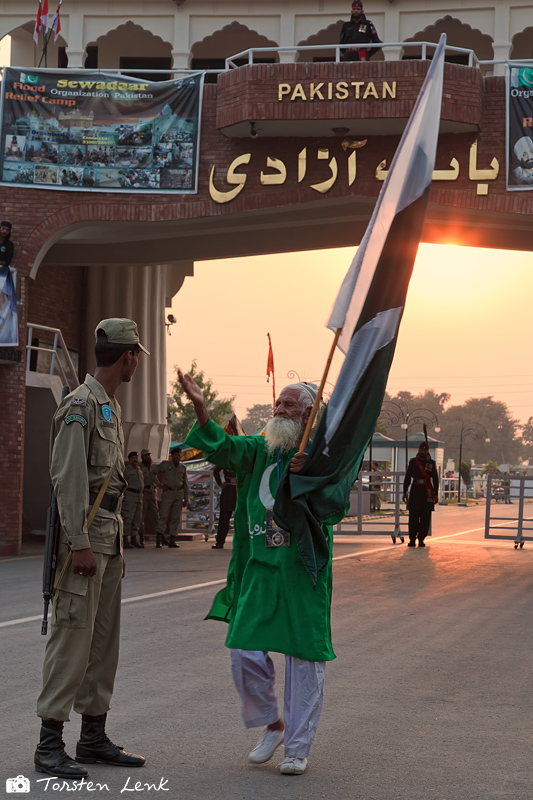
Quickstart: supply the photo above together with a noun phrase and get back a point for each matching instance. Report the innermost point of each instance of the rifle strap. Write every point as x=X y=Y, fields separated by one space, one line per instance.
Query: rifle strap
x=90 y=517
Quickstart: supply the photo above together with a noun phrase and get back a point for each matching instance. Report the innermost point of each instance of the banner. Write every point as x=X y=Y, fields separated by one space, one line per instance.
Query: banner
x=519 y=127
x=9 y=336
x=92 y=131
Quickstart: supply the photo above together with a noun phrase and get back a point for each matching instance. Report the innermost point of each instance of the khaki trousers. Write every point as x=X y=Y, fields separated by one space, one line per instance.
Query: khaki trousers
x=171 y=503
x=150 y=510
x=132 y=512
x=81 y=655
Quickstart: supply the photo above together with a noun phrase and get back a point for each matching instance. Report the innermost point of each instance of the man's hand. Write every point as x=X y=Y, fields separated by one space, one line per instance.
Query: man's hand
x=404 y=498
x=297 y=462
x=84 y=562
x=195 y=395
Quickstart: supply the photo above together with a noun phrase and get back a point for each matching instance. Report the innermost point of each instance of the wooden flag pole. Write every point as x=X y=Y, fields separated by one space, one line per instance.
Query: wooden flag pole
x=314 y=410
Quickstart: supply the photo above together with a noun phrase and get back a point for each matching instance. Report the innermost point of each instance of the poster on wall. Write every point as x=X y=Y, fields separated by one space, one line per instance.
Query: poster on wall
x=9 y=336
x=93 y=131
x=519 y=127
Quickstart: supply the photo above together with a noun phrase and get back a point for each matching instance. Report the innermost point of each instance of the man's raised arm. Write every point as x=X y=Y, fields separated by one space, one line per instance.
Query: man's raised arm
x=195 y=395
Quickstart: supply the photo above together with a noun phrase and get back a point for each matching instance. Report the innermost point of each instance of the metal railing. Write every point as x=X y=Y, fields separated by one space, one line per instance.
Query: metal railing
x=376 y=507
x=516 y=491
x=66 y=370
x=249 y=54
x=340 y=48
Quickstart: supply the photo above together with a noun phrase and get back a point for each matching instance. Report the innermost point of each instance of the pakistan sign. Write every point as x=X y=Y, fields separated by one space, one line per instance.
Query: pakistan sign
x=100 y=132
x=519 y=127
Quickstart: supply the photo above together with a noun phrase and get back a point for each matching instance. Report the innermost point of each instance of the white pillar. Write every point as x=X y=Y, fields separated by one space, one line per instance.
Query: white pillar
x=391 y=33
x=287 y=37
x=76 y=46
x=181 y=50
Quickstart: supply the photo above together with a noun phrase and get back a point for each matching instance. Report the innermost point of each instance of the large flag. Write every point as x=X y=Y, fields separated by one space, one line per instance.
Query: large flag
x=38 y=24
x=368 y=309
x=56 y=22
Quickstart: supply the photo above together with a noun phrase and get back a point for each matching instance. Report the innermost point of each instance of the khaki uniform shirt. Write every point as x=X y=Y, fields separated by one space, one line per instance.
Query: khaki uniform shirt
x=134 y=478
x=150 y=481
x=86 y=439
x=174 y=478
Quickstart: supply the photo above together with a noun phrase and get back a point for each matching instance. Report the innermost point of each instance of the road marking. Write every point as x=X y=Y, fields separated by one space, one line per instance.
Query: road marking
x=10 y=622
x=372 y=550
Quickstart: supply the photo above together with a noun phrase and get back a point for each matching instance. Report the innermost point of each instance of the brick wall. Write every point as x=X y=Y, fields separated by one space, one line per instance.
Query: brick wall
x=38 y=215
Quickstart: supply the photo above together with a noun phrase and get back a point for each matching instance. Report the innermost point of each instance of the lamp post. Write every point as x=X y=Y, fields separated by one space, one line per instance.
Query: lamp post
x=475 y=429
x=406 y=419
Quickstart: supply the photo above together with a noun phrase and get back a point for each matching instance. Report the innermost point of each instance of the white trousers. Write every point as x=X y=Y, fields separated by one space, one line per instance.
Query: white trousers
x=254 y=677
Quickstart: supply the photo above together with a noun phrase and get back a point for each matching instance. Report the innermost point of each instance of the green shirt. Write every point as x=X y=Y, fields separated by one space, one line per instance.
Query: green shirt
x=269 y=601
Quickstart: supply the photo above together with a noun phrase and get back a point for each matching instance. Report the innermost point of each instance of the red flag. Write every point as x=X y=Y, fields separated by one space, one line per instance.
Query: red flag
x=44 y=16
x=270 y=368
x=38 y=24
x=56 y=23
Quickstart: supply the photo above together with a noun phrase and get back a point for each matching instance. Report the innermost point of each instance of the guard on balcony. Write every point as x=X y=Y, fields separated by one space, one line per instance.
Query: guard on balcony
x=359 y=30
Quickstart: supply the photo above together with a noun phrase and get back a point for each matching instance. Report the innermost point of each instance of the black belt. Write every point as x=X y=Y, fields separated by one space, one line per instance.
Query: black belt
x=109 y=502
x=136 y=491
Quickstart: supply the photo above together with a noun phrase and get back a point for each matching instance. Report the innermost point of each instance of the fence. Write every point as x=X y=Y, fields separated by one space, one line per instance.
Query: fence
x=509 y=490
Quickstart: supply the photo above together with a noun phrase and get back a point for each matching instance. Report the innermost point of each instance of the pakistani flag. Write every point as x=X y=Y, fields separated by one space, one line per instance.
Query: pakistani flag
x=368 y=309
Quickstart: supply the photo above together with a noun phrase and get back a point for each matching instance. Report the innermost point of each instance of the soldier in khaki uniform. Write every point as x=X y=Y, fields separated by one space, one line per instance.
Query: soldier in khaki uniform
x=132 y=505
x=150 y=507
x=173 y=477
x=82 y=652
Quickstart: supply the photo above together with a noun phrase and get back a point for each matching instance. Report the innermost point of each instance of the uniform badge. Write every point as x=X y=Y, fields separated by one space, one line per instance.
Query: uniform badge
x=107 y=413
x=362 y=28
x=77 y=401
x=76 y=418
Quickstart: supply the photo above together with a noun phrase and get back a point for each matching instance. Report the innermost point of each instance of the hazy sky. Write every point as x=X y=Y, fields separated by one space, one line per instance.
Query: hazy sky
x=466 y=328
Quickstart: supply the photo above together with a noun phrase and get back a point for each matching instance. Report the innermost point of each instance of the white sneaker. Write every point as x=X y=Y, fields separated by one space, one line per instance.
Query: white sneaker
x=293 y=766
x=264 y=750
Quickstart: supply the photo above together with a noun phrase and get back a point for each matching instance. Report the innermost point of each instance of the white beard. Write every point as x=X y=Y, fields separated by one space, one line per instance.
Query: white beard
x=283 y=434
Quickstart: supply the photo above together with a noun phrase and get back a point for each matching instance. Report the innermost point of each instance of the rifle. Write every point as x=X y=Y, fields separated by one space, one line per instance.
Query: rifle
x=50 y=549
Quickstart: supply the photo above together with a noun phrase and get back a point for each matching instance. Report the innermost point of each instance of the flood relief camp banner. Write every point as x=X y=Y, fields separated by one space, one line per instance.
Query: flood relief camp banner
x=101 y=132
x=519 y=127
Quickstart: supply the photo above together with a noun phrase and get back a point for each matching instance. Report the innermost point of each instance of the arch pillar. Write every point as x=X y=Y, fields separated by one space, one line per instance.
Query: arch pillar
x=140 y=293
x=76 y=46
x=502 y=50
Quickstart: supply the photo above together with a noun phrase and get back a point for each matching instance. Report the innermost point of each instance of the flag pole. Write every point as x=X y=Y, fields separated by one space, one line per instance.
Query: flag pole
x=314 y=410
x=46 y=42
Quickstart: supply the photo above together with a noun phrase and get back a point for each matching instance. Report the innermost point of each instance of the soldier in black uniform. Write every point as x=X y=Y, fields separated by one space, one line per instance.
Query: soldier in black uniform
x=422 y=471
x=227 y=480
x=359 y=30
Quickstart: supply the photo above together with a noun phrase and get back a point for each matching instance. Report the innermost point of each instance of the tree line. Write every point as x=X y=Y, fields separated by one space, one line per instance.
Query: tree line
x=510 y=442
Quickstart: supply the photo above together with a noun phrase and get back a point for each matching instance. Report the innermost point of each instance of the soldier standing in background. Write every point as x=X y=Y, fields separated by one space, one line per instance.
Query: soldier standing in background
x=424 y=493
x=172 y=476
x=87 y=471
x=227 y=480
x=150 y=507
x=359 y=30
x=132 y=507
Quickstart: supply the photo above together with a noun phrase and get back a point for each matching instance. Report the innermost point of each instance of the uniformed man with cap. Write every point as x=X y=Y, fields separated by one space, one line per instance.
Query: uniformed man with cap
x=150 y=507
x=359 y=30
x=87 y=471
x=173 y=477
x=132 y=505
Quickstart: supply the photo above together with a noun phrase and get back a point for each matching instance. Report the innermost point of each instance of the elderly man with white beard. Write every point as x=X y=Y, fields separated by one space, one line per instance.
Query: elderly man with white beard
x=270 y=602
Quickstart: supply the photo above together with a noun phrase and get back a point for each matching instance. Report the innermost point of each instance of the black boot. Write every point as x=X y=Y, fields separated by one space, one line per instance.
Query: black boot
x=172 y=542
x=158 y=540
x=135 y=543
x=95 y=746
x=50 y=756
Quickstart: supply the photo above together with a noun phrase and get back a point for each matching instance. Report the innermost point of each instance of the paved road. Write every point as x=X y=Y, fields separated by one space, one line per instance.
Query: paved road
x=430 y=696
